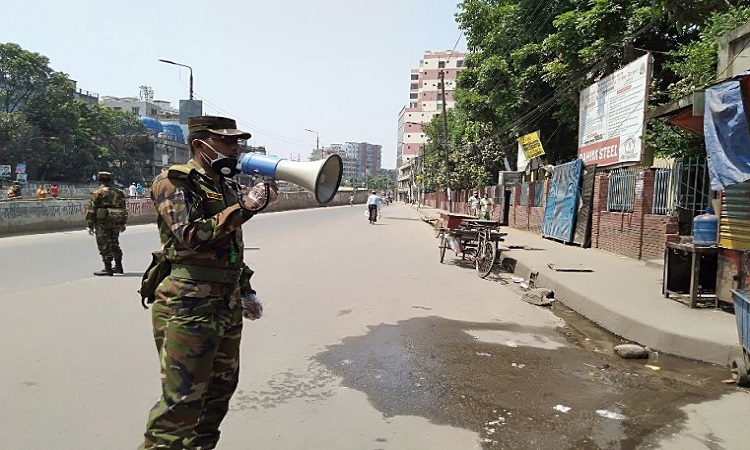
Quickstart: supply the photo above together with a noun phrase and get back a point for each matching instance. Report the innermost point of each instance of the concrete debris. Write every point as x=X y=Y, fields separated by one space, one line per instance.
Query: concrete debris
x=569 y=269
x=524 y=285
x=539 y=296
x=562 y=409
x=631 y=351
x=517 y=279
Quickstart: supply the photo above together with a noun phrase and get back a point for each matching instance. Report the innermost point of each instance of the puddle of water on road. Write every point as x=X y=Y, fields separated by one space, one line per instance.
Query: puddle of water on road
x=437 y=369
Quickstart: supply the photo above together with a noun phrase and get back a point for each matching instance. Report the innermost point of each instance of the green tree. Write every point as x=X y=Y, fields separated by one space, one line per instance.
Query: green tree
x=59 y=137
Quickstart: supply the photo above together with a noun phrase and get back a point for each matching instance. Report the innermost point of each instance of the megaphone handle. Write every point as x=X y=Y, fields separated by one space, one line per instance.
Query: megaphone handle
x=265 y=204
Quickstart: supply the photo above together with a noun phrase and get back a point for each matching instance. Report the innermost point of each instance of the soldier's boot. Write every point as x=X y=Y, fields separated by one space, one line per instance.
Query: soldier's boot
x=107 y=271
x=118 y=267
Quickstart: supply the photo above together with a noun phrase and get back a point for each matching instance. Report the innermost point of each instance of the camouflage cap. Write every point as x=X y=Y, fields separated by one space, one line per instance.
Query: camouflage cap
x=222 y=126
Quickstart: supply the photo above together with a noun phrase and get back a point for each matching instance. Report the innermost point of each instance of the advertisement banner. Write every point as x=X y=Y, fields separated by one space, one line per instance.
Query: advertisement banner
x=22 y=178
x=612 y=114
x=531 y=145
x=21 y=168
x=4 y=170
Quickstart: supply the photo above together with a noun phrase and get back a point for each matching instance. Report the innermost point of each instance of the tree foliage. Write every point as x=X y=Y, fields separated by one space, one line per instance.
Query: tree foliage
x=529 y=59
x=58 y=137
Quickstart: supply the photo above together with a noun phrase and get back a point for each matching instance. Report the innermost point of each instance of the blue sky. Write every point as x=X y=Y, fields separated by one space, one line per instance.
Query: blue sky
x=339 y=67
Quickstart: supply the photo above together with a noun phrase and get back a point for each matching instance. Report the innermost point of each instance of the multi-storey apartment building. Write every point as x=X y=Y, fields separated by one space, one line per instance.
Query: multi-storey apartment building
x=361 y=159
x=425 y=102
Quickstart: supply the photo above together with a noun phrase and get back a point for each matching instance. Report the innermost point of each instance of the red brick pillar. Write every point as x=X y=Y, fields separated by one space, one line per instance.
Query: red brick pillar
x=598 y=205
x=514 y=210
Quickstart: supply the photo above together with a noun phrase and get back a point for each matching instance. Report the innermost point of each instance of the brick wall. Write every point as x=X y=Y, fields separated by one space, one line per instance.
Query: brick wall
x=637 y=234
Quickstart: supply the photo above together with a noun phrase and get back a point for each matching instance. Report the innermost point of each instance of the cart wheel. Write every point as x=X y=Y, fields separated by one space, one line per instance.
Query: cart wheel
x=443 y=245
x=485 y=259
x=739 y=371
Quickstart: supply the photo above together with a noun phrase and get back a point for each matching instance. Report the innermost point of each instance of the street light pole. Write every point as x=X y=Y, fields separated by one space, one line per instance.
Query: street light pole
x=317 y=141
x=182 y=65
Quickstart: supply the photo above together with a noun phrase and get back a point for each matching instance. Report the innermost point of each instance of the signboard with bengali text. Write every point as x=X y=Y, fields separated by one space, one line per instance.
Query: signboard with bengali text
x=4 y=170
x=531 y=145
x=611 y=116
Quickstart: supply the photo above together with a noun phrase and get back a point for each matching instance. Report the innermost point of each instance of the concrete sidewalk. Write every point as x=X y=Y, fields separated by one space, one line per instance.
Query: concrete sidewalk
x=622 y=295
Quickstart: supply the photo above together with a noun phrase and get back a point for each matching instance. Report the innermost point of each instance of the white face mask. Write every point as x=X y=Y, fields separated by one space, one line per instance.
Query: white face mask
x=225 y=166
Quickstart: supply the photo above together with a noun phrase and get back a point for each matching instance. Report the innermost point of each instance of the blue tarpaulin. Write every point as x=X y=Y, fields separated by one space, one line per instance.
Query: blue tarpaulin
x=727 y=136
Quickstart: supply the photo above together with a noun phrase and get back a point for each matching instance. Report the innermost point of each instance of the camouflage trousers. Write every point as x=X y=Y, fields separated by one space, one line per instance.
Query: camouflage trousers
x=107 y=239
x=197 y=330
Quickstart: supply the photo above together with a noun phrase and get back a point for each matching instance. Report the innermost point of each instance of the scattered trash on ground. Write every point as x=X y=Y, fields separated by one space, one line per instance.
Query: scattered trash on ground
x=524 y=285
x=518 y=366
x=562 y=409
x=729 y=381
x=483 y=354
x=516 y=279
x=610 y=414
x=511 y=344
x=569 y=269
x=539 y=296
x=654 y=368
x=631 y=351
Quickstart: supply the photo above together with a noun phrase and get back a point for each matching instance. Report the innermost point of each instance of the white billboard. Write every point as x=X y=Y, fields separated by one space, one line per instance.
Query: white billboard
x=611 y=116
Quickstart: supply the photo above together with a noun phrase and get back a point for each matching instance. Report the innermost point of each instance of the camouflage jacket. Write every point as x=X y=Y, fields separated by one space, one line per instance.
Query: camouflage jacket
x=200 y=221
x=101 y=199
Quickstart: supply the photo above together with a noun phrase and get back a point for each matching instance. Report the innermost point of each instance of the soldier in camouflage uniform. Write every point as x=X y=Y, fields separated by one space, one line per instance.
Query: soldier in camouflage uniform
x=198 y=309
x=106 y=216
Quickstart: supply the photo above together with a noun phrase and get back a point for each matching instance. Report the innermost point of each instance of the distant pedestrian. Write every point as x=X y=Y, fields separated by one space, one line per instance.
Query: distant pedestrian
x=138 y=191
x=351 y=200
x=15 y=193
x=474 y=204
x=41 y=193
x=373 y=206
x=487 y=207
x=54 y=191
x=132 y=190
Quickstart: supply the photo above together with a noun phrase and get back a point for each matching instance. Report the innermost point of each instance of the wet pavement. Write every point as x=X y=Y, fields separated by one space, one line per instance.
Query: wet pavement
x=503 y=381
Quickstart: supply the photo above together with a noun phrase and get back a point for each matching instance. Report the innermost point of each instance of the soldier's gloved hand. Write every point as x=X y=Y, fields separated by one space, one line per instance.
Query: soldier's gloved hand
x=256 y=198
x=252 y=309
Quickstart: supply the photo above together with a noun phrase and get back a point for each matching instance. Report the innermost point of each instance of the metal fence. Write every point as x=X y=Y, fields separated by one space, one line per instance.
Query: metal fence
x=693 y=190
x=538 y=193
x=621 y=190
x=665 y=190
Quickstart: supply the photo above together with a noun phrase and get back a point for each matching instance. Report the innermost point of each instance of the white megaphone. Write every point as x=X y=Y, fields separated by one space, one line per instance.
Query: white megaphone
x=322 y=178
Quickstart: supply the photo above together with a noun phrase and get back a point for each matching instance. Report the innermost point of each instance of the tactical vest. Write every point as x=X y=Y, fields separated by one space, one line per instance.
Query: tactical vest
x=223 y=258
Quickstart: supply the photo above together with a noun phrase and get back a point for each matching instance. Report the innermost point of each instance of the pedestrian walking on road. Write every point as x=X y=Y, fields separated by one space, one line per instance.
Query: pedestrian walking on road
x=199 y=304
x=131 y=190
x=473 y=204
x=106 y=217
x=351 y=200
x=373 y=207
x=487 y=207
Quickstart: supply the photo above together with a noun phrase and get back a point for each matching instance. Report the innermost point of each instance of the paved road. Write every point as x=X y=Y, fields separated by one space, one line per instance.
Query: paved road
x=367 y=343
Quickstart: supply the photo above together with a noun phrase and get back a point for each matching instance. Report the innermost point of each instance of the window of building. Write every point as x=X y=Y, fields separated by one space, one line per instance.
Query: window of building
x=441 y=65
x=117 y=108
x=460 y=63
x=135 y=109
x=414 y=96
x=440 y=96
x=414 y=85
x=415 y=76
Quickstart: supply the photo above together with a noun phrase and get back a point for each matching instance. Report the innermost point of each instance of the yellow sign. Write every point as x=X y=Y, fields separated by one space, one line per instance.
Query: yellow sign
x=531 y=145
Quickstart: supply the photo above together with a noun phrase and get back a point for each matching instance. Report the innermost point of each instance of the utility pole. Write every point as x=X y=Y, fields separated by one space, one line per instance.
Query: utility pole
x=441 y=76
